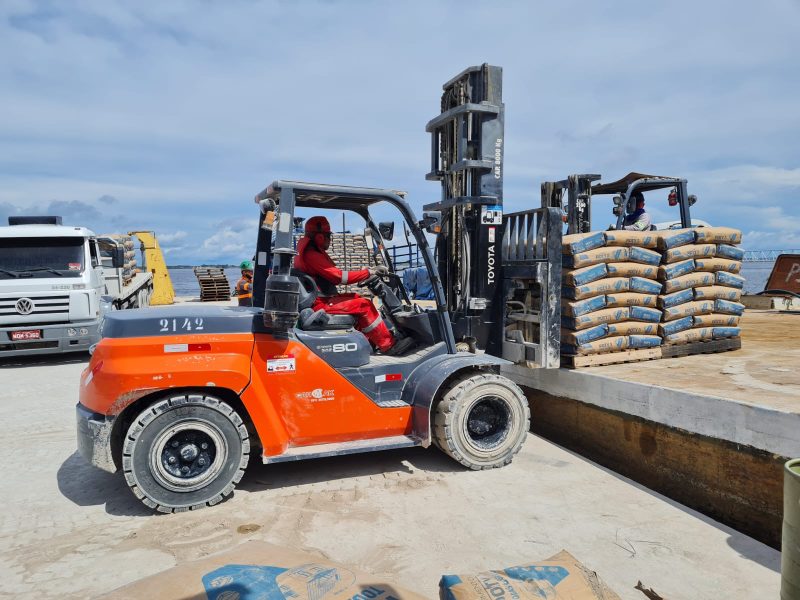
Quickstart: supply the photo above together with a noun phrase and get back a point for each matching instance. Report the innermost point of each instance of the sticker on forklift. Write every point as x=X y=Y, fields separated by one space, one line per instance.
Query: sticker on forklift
x=491 y=215
x=317 y=395
x=388 y=377
x=281 y=365
x=491 y=235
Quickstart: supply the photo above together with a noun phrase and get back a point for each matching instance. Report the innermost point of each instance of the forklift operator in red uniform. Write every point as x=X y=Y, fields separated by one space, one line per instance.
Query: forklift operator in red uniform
x=312 y=258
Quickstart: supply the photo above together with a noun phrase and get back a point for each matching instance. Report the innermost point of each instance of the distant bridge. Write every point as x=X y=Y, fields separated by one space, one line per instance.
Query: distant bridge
x=765 y=255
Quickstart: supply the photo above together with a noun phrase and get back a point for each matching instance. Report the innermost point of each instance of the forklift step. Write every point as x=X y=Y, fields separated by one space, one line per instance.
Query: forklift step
x=341 y=448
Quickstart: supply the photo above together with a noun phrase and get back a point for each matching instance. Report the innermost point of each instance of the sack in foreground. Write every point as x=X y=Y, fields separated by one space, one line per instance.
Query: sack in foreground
x=260 y=570
x=560 y=577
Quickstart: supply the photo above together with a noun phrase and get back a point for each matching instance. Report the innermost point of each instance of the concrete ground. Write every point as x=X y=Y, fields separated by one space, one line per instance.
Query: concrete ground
x=68 y=530
x=764 y=372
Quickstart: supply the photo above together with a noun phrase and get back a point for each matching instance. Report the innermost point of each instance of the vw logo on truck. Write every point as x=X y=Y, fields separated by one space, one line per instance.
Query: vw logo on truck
x=24 y=306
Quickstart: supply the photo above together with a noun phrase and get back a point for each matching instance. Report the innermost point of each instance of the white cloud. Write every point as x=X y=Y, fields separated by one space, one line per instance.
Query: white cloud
x=183 y=114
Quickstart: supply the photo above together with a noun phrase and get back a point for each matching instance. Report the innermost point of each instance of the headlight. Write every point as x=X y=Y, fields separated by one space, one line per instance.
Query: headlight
x=83 y=331
x=72 y=332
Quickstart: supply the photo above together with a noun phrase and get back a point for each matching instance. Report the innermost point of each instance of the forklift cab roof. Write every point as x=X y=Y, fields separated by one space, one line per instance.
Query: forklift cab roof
x=336 y=197
x=643 y=183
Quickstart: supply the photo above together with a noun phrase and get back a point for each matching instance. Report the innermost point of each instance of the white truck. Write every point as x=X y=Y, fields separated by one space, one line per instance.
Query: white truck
x=57 y=282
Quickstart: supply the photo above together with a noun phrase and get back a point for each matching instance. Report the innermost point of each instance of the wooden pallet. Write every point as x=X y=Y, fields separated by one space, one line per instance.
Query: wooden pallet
x=701 y=347
x=610 y=358
x=213 y=284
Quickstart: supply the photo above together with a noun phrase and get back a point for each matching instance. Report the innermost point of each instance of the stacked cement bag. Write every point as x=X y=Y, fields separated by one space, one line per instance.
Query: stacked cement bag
x=609 y=292
x=701 y=285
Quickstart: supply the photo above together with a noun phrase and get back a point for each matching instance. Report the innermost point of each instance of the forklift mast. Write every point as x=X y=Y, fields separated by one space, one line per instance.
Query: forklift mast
x=467 y=158
x=501 y=273
x=577 y=206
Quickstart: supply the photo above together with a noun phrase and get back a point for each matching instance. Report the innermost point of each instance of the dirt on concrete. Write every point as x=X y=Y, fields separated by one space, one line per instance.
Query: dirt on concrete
x=69 y=530
x=764 y=371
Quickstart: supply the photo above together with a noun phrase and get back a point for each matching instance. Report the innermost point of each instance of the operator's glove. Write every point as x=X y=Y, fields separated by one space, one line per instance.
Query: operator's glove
x=380 y=270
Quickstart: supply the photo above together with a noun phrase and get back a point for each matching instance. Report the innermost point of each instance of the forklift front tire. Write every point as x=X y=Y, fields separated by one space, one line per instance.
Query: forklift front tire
x=185 y=452
x=481 y=421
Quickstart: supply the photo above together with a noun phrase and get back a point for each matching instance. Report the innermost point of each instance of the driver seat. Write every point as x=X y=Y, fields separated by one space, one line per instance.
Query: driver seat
x=319 y=320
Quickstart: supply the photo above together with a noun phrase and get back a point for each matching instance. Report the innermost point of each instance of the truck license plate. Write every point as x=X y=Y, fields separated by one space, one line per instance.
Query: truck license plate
x=28 y=334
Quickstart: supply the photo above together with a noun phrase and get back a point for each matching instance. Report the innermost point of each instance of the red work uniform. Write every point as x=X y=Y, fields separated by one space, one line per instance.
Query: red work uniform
x=316 y=263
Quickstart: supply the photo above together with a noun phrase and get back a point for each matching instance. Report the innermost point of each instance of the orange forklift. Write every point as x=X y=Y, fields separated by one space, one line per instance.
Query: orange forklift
x=179 y=397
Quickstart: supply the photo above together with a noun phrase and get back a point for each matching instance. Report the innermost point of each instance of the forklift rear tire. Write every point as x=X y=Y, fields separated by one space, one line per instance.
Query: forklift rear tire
x=185 y=452
x=481 y=421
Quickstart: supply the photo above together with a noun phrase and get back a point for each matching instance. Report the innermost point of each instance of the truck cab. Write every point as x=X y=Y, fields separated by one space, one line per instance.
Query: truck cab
x=51 y=282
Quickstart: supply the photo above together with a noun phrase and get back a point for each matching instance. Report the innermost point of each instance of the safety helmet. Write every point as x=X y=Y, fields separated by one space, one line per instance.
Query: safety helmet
x=316 y=229
x=246 y=265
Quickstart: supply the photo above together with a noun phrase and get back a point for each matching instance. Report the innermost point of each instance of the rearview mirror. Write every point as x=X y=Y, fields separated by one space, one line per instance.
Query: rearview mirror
x=692 y=199
x=118 y=257
x=387 y=229
x=617 y=210
x=431 y=222
x=266 y=205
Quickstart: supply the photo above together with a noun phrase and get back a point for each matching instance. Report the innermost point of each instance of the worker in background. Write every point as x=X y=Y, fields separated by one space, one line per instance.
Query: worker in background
x=638 y=220
x=244 y=287
x=312 y=258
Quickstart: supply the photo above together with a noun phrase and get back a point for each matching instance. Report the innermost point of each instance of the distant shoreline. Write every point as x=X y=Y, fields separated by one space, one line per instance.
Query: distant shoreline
x=204 y=266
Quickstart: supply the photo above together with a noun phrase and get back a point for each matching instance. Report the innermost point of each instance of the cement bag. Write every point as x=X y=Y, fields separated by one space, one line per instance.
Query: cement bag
x=689 y=309
x=260 y=570
x=712 y=292
x=581 y=242
x=727 y=307
x=643 y=313
x=601 y=286
x=644 y=256
x=606 y=344
x=598 y=317
x=692 y=251
x=718 y=264
x=642 y=239
x=628 y=269
x=729 y=279
x=593 y=257
x=675 y=238
x=677 y=269
x=630 y=299
x=576 y=338
x=688 y=281
x=560 y=577
x=719 y=333
x=665 y=329
x=726 y=251
x=644 y=286
x=576 y=308
x=632 y=328
x=718 y=235
x=584 y=275
x=716 y=320
x=670 y=300
x=690 y=335
x=643 y=341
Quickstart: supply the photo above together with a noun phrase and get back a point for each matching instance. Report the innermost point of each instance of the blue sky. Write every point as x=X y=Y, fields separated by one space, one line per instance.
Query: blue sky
x=171 y=115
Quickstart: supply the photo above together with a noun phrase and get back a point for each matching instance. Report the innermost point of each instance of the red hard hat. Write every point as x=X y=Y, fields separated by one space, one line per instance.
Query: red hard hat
x=316 y=228
x=317 y=225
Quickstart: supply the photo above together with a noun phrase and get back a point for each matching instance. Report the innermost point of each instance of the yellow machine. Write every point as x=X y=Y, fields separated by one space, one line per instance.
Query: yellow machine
x=163 y=293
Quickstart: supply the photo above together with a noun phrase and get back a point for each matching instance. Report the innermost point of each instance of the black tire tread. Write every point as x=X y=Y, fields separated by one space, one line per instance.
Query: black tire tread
x=154 y=410
x=444 y=415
